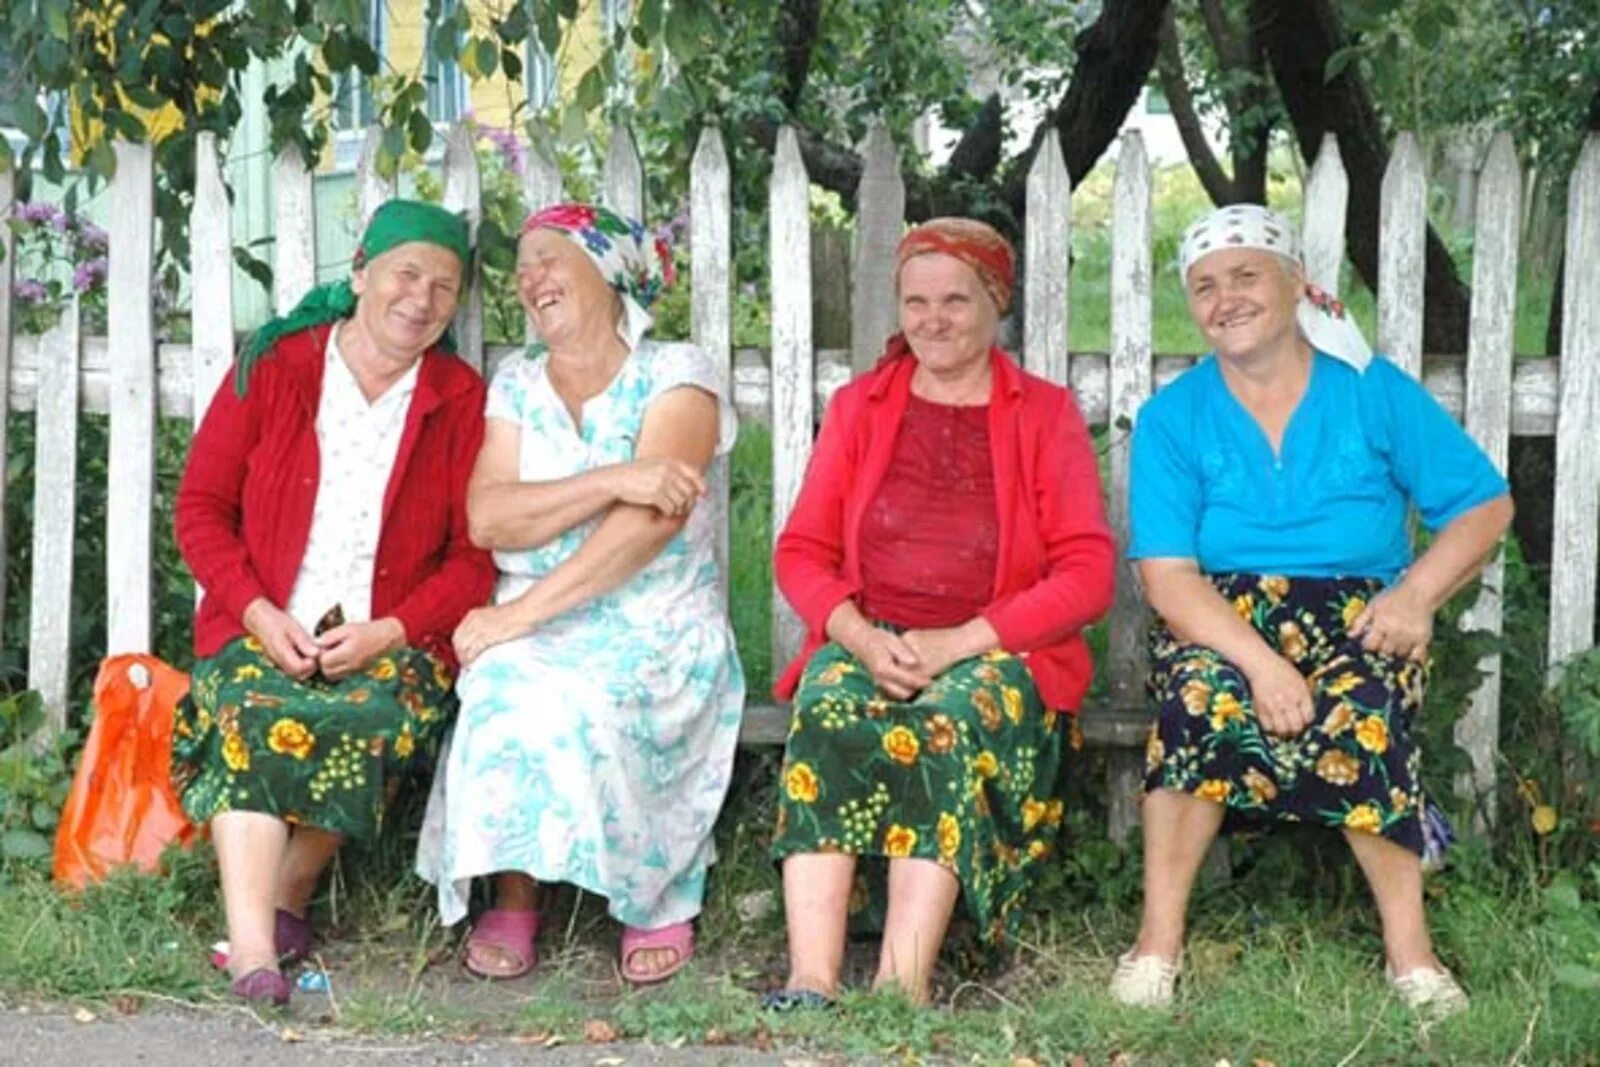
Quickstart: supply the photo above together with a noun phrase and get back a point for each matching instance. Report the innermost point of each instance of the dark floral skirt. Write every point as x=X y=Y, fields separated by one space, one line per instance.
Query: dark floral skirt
x=317 y=753
x=961 y=774
x=1355 y=767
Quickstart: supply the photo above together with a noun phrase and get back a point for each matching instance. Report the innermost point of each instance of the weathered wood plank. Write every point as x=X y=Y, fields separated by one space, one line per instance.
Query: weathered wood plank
x=464 y=193
x=372 y=188
x=1491 y=331
x=624 y=175
x=710 y=307
x=1322 y=232
x=294 y=249
x=880 y=218
x=7 y=273
x=1402 y=244
x=1048 y=251
x=131 y=462
x=789 y=238
x=1577 y=539
x=1129 y=384
x=211 y=276
x=55 y=467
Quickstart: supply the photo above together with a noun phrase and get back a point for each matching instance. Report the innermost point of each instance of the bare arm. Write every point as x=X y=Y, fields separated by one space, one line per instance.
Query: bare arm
x=680 y=426
x=508 y=513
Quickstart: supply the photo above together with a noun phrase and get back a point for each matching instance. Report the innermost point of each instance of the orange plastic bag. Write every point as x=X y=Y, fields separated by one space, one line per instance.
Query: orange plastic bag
x=122 y=808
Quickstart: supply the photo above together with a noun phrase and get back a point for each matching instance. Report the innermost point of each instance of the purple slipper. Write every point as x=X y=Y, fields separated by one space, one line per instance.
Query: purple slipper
x=262 y=984
x=292 y=937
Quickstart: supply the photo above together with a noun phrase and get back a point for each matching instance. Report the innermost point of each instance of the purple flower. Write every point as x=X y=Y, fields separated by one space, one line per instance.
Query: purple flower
x=30 y=290
x=87 y=275
x=35 y=211
x=60 y=221
x=511 y=148
x=93 y=238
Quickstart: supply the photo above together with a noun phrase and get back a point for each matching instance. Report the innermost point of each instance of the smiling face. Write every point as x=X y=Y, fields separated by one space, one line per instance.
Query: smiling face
x=946 y=314
x=1243 y=300
x=561 y=288
x=406 y=298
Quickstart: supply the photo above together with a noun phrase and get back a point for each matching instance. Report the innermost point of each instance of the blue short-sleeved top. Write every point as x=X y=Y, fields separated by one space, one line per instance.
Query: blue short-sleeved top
x=1204 y=483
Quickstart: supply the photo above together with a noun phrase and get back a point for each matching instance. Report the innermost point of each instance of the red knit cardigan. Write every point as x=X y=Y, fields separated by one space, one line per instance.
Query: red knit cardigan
x=244 y=506
x=1056 y=566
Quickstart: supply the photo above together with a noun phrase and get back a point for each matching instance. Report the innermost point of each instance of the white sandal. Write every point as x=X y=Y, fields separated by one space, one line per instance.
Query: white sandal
x=1428 y=991
x=1144 y=981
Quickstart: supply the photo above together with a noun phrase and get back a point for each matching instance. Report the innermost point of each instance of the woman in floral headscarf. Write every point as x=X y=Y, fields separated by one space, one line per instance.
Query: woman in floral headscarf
x=601 y=693
x=946 y=551
x=1269 y=493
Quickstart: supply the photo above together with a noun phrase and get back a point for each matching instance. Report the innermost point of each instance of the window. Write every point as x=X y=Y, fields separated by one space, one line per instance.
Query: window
x=539 y=75
x=447 y=85
x=353 y=106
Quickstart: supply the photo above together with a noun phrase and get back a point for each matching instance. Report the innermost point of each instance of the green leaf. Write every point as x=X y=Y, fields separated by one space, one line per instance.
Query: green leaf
x=1338 y=62
x=45 y=817
x=574 y=123
x=549 y=26
x=419 y=131
x=511 y=63
x=57 y=15
x=591 y=91
x=17 y=844
x=103 y=159
x=486 y=57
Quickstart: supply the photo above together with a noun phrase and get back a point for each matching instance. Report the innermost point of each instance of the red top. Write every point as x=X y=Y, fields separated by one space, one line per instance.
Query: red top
x=930 y=538
x=1054 y=570
x=243 y=510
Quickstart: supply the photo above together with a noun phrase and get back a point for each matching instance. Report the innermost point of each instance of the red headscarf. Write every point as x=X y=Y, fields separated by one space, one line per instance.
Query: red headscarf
x=974 y=243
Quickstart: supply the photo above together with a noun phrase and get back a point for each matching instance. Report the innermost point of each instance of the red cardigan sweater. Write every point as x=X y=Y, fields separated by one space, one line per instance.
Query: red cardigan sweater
x=1055 y=570
x=243 y=511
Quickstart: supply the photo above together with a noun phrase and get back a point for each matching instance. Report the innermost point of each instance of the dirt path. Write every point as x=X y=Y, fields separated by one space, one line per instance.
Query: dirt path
x=61 y=1037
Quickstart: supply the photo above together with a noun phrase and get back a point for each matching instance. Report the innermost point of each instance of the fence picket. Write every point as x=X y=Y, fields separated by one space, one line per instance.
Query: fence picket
x=789 y=237
x=294 y=259
x=1048 y=250
x=7 y=262
x=1488 y=418
x=624 y=175
x=1129 y=385
x=131 y=460
x=880 y=217
x=211 y=275
x=464 y=193
x=711 y=315
x=1402 y=246
x=1322 y=232
x=372 y=188
x=55 y=467
x=1577 y=503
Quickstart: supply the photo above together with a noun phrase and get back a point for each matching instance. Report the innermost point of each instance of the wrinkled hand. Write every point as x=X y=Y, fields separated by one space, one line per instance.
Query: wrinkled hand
x=1281 y=697
x=936 y=650
x=669 y=485
x=285 y=641
x=485 y=627
x=1397 y=622
x=353 y=646
x=893 y=664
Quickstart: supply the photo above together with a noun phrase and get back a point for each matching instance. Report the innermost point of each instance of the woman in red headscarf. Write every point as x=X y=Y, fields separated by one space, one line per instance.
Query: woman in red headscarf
x=946 y=551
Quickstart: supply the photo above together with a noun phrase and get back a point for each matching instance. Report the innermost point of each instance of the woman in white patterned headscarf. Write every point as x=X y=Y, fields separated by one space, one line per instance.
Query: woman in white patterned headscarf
x=1270 y=487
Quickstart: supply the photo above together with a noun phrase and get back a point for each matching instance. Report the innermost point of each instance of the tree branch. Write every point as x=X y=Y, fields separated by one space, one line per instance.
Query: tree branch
x=799 y=25
x=1169 y=63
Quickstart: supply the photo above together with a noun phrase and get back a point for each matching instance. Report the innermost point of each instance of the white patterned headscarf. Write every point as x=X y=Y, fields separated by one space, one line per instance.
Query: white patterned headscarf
x=1321 y=318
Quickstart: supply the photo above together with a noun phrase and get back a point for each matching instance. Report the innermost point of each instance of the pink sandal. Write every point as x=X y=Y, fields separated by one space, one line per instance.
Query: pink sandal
x=510 y=933
x=675 y=937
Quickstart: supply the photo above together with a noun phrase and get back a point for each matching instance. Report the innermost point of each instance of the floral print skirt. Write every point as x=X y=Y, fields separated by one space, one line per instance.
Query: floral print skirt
x=961 y=774
x=1355 y=767
x=325 y=754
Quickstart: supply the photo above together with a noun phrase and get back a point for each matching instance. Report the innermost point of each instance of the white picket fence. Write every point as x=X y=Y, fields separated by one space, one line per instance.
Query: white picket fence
x=126 y=374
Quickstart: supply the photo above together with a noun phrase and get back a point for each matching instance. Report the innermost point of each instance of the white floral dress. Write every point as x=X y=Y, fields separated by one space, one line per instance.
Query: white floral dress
x=598 y=749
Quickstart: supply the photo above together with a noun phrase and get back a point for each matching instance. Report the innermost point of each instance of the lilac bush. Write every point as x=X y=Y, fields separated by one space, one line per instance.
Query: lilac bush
x=58 y=254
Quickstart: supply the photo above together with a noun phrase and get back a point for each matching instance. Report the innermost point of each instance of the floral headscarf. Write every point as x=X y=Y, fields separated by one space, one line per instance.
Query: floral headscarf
x=974 y=243
x=632 y=261
x=1320 y=317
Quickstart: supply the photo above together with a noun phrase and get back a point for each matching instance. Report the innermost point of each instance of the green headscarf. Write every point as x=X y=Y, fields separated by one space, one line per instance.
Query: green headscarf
x=396 y=222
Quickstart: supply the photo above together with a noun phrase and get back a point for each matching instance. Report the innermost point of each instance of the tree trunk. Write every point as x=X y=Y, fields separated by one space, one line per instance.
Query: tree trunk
x=1300 y=37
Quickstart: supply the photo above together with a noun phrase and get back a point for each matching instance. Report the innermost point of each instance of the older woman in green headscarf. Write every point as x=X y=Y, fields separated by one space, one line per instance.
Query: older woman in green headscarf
x=323 y=510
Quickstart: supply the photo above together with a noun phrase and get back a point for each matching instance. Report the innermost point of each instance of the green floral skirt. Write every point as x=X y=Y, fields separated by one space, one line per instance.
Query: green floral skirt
x=1356 y=766
x=961 y=774
x=317 y=753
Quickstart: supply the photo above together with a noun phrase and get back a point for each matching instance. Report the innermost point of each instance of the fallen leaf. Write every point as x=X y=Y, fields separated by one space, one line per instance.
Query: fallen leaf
x=762 y=1040
x=1078 y=1060
x=127 y=1004
x=533 y=1037
x=714 y=1036
x=84 y=1015
x=599 y=1032
x=1024 y=1061
x=1262 y=1063
x=290 y=1035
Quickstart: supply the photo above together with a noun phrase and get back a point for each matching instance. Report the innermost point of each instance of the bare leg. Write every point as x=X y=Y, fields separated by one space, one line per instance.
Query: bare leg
x=513 y=891
x=309 y=852
x=250 y=848
x=922 y=897
x=1178 y=829
x=1395 y=875
x=816 y=902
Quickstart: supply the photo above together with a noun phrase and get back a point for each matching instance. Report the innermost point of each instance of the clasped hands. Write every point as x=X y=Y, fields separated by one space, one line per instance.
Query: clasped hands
x=338 y=653
x=904 y=664
x=1397 y=622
